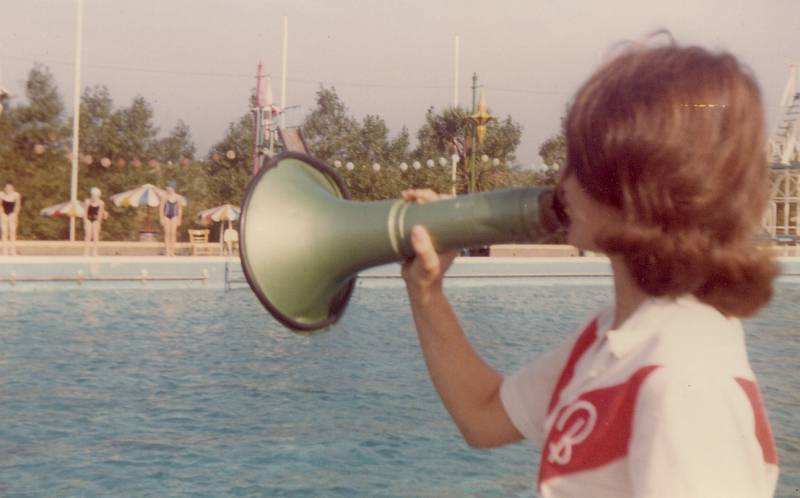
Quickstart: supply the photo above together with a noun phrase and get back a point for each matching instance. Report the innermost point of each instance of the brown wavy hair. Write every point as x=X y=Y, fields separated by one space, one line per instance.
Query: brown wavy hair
x=674 y=137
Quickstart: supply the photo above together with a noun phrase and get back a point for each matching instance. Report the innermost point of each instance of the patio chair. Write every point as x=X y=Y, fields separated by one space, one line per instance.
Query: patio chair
x=198 y=240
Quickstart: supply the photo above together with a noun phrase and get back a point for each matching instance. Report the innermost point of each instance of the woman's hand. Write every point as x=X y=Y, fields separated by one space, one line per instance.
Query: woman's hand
x=424 y=273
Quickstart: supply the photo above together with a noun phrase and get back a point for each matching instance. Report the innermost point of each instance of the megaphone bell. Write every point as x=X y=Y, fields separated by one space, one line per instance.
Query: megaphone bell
x=303 y=241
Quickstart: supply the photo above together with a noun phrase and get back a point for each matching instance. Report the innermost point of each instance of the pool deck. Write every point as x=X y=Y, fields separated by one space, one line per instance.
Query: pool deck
x=26 y=273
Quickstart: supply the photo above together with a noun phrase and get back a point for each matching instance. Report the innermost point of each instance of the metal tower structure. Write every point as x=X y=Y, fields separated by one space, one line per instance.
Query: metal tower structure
x=782 y=220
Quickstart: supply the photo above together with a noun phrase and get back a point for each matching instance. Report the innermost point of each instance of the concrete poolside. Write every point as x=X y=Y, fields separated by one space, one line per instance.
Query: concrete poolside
x=112 y=248
x=155 y=248
x=30 y=273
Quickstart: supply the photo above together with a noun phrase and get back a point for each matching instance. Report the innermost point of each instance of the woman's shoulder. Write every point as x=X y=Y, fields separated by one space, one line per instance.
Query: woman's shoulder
x=693 y=336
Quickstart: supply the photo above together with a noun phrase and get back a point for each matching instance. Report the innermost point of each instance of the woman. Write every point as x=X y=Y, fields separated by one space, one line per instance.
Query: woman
x=230 y=237
x=9 y=217
x=655 y=396
x=171 y=214
x=94 y=212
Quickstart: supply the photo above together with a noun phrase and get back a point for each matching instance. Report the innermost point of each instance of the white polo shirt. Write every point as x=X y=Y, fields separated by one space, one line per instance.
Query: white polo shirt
x=665 y=406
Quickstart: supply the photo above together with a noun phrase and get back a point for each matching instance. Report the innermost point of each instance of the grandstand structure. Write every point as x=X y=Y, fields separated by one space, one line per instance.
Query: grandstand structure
x=782 y=219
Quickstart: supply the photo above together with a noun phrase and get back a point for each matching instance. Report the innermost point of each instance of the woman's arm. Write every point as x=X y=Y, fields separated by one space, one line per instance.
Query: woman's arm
x=18 y=204
x=467 y=385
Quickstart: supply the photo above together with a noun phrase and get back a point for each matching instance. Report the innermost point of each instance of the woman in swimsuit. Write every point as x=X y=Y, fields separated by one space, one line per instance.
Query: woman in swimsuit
x=9 y=216
x=171 y=213
x=94 y=213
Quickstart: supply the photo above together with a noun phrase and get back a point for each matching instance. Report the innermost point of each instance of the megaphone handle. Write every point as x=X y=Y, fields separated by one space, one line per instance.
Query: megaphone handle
x=503 y=216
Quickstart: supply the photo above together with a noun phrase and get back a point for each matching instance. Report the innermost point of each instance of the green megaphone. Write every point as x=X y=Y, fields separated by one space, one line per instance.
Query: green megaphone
x=303 y=242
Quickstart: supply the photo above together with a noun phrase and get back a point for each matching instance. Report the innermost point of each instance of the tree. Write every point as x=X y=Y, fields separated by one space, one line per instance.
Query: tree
x=32 y=155
x=230 y=162
x=553 y=152
x=328 y=128
x=334 y=135
x=134 y=131
x=96 y=127
x=38 y=125
x=177 y=145
x=450 y=132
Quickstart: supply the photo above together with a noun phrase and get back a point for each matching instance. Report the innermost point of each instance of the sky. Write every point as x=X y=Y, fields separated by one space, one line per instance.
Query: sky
x=196 y=60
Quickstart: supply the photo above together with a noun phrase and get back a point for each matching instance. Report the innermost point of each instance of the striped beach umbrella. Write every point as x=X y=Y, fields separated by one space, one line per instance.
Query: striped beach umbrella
x=145 y=195
x=225 y=212
x=69 y=208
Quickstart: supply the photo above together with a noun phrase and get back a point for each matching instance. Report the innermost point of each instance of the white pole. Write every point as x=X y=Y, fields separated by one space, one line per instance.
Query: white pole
x=76 y=115
x=454 y=159
x=283 y=72
x=455 y=71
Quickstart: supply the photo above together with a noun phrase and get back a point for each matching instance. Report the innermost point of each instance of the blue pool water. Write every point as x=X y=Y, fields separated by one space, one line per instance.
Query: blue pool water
x=200 y=393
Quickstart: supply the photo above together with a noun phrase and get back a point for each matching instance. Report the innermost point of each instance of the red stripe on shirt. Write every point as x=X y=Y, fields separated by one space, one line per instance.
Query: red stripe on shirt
x=763 y=430
x=592 y=430
x=586 y=339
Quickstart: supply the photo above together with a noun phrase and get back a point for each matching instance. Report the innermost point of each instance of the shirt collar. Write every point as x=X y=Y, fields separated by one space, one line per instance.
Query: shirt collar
x=638 y=328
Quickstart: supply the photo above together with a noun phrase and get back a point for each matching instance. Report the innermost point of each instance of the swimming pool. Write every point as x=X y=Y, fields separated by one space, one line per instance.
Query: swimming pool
x=174 y=392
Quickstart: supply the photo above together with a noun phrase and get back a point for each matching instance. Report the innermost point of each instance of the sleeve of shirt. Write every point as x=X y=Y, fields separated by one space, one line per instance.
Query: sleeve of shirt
x=693 y=437
x=526 y=393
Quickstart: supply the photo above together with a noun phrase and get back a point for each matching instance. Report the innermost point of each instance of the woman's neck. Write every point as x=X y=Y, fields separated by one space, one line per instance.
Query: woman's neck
x=627 y=294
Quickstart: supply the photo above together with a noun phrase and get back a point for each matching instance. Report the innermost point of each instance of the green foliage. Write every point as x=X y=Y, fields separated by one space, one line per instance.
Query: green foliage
x=134 y=133
x=227 y=176
x=554 y=154
x=329 y=130
x=450 y=132
x=40 y=121
x=34 y=155
x=121 y=149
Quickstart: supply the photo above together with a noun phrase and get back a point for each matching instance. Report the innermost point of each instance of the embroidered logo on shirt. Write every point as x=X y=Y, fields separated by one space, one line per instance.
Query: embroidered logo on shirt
x=593 y=430
x=581 y=425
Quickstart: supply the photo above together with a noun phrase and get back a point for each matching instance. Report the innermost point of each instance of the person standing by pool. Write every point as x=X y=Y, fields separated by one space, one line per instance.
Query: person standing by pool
x=654 y=397
x=171 y=214
x=9 y=218
x=94 y=212
x=230 y=237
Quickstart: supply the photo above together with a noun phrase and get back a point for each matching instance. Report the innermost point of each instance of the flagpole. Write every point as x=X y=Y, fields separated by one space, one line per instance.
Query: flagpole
x=283 y=71
x=455 y=70
x=258 y=118
x=76 y=114
x=270 y=107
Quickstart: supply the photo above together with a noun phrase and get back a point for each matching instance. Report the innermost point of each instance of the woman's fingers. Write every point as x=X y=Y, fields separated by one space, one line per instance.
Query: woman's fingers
x=421 y=195
x=423 y=247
